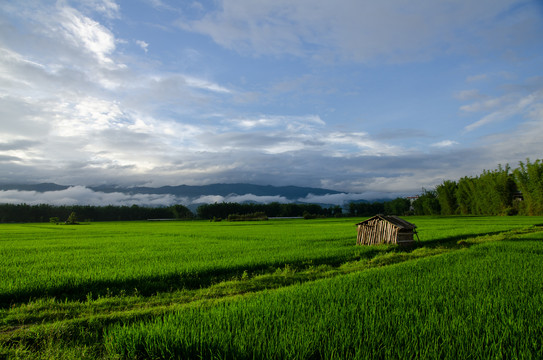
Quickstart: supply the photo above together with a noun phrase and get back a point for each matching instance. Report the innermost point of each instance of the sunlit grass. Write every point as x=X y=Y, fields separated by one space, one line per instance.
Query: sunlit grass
x=485 y=302
x=66 y=285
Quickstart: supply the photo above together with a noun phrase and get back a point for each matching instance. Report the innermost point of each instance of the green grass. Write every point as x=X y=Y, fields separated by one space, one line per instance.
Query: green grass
x=149 y=257
x=485 y=302
x=70 y=262
x=126 y=290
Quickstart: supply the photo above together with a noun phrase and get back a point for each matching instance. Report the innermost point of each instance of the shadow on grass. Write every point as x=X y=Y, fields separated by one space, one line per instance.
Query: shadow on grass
x=151 y=285
x=451 y=242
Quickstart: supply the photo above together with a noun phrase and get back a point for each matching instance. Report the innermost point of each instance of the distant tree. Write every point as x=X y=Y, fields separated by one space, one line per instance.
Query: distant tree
x=493 y=192
x=427 y=203
x=529 y=180
x=352 y=209
x=337 y=211
x=181 y=212
x=398 y=206
x=366 y=208
x=72 y=219
x=465 y=194
x=446 y=195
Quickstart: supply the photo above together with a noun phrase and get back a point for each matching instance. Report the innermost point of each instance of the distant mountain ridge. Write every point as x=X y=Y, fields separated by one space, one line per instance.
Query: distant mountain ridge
x=289 y=192
x=41 y=187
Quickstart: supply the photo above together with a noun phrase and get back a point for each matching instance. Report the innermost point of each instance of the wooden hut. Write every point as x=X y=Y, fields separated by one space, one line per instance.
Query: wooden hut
x=385 y=229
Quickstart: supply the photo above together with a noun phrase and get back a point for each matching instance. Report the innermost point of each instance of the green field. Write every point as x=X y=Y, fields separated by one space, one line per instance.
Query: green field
x=472 y=288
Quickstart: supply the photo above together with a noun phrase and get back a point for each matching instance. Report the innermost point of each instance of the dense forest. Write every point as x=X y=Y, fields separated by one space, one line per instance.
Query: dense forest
x=502 y=191
x=497 y=192
x=45 y=213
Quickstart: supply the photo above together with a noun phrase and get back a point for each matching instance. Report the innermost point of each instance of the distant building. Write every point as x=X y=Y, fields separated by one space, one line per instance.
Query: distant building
x=385 y=229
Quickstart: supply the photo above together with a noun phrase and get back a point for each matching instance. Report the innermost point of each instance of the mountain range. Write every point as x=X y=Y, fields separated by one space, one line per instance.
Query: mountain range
x=190 y=191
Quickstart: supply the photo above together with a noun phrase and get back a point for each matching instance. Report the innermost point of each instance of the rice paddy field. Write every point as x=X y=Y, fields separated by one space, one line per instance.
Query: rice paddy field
x=282 y=289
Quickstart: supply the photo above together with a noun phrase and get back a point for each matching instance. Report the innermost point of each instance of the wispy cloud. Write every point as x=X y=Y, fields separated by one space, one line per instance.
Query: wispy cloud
x=79 y=195
x=142 y=44
x=210 y=199
x=206 y=85
x=107 y=7
x=336 y=199
x=477 y=77
x=291 y=123
x=445 y=143
x=92 y=36
x=504 y=108
x=471 y=94
x=350 y=30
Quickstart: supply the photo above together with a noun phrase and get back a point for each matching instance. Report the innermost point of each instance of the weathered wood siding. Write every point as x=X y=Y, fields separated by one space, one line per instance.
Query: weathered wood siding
x=405 y=237
x=377 y=231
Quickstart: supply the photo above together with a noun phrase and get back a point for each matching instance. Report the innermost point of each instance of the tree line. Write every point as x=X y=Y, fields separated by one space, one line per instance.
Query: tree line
x=502 y=191
x=44 y=213
x=398 y=206
x=274 y=209
x=10 y=213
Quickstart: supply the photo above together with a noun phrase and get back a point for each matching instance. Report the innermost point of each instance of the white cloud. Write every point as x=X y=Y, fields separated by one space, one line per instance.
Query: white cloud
x=235 y=198
x=86 y=117
x=205 y=85
x=486 y=105
x=521 y=143
x=334 y=199
x=81 y=30
x=161 y=5
x=361 y=141
x=328 y=199
x=107 y=7
x=142 y=44
x=350 y=29
x=271 y=134
x=254 y=123
x=79 y=195
x=59 y=89
x=291 y=123
x=507 y=108
x=445 y=143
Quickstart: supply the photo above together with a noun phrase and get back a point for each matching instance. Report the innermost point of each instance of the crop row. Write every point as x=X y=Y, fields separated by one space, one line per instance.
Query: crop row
x=70 y=262
x=481 y=302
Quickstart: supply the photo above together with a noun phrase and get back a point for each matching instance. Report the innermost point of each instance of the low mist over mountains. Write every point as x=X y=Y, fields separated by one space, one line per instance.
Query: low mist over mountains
x=289 y=192
x=54 y=194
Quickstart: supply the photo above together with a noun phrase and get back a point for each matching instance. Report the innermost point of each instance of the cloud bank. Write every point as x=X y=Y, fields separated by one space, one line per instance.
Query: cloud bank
x=80 y=195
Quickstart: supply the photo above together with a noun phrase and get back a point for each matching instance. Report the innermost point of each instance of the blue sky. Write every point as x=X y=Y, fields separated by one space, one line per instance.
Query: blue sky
x=356 y=96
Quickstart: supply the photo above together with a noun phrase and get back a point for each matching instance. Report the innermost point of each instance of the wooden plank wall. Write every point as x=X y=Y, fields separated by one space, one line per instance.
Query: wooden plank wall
x=405 y=238
x=377 y=232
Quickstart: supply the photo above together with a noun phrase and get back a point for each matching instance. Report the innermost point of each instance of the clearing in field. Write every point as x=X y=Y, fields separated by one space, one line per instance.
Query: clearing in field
x=278 y=289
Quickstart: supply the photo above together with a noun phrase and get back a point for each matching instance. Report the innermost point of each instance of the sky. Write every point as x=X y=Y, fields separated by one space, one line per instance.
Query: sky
x=356 y=96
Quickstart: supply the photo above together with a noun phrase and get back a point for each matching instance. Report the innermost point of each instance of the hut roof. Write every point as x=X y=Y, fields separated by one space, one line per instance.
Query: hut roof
x=394 y=220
